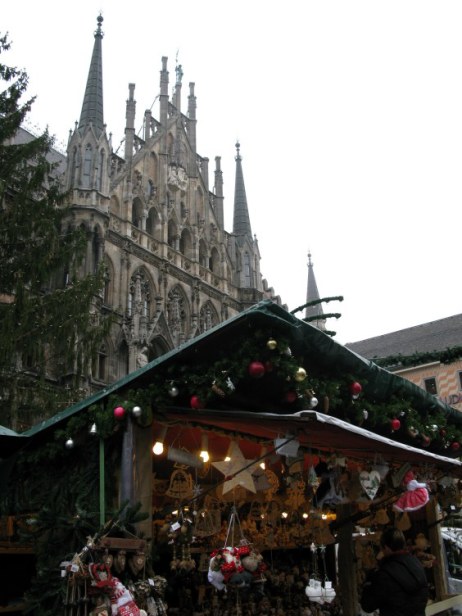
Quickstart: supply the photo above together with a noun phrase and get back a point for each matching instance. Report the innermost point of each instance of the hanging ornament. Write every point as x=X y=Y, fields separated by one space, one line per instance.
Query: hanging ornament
x=196 y=402
x=413 y=432
x=455 y=446
x=136 y=411
x=119 y=412
x=256 y=369
x=425 y=440
x=93 y=429
x=395 y=424
x=173 y=391
x=271 y=344
x=313 y=402
x=290 y=396
x=365 y=413
x=300 y=374
x=355 y=388
x=69 y=444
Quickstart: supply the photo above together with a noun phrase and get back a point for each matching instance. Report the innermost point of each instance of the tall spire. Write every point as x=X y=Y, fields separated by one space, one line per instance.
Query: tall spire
x=241 y=221
x=92 y=107
x=312 y=294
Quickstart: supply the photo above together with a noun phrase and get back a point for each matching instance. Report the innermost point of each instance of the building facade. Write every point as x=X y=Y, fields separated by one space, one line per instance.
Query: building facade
x=156 y=218
x=428 y=355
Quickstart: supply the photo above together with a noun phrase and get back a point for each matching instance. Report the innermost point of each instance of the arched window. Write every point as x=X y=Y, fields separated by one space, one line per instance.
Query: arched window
x=153 y=223
x=87 y=165
x=186 y=243
x=247 y=270
x=172 y=234
x=99 y=181
x=203 y=259
x=215 y=261
x=100 y=364
x=137 y=213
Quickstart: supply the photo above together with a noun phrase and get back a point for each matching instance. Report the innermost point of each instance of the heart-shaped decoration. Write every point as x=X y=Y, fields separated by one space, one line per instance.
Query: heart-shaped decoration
x=370 y=482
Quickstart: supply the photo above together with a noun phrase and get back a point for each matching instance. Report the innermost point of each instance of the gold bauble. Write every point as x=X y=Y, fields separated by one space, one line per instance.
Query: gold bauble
x=300 y=374
x=271 y=344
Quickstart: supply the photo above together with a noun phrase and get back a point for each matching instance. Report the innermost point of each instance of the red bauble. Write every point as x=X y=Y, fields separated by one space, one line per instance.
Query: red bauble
x=291 y=396
x=455 y=446
x=395 y=424
x=356 y=388
x=119 y=412
x=425 y=440
x=196 y=403
x=256 y=369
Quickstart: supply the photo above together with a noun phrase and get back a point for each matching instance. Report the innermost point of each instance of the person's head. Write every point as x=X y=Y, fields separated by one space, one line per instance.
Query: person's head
x=393 y=539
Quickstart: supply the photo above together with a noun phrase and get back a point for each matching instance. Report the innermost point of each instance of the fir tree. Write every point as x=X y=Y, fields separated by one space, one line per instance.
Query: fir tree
x=49 y=324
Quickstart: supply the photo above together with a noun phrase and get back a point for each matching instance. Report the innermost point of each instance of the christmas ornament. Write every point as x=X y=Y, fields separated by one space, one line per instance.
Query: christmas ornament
x=425 y=440
x=119 y=412
x=136 y=411
x=173 y=391
x=271 y=344
x=69 y=444
x=395 y=424
x=415 y=497
x=291 y=396
x=370 y=482
x=256 y=369
x=365 y=414
x=313 y=402
x=237 y=469
x=196 y=403
x=455 y=446
x=300 y=375
x=413 y=431
x=355 y=388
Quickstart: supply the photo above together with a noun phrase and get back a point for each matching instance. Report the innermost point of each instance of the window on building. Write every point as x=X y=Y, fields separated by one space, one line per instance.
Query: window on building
x=460 y=380
x=430 y=386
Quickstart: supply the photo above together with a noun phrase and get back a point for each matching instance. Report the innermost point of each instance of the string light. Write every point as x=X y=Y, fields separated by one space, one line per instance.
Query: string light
x=158 y=448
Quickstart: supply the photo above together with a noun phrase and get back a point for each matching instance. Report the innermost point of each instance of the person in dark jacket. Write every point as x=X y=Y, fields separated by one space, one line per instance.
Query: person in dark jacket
x=399 y=586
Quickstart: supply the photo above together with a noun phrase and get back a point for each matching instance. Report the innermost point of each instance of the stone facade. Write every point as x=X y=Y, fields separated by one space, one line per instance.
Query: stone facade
x=173 y=271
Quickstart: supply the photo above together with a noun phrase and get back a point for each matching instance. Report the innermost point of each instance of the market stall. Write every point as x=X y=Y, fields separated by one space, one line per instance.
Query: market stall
x=268 y=458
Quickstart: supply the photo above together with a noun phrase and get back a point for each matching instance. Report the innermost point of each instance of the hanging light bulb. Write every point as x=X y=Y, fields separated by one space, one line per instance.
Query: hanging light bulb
x=158 y=448
x=204 y=454
x=263 y=461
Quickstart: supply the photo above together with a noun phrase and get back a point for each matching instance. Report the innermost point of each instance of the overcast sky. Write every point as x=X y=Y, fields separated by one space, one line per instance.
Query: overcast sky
x=349 y=116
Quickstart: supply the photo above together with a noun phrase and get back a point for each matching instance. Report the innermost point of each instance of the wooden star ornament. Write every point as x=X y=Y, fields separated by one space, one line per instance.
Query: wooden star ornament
x=234 y=470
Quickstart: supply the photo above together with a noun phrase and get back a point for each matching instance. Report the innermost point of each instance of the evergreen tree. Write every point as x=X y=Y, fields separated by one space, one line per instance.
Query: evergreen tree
x=49 y=323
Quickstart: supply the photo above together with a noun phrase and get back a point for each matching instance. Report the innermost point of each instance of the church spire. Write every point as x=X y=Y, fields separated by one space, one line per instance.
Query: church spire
x=312 y=294
x=241 y=221
x=92 y=107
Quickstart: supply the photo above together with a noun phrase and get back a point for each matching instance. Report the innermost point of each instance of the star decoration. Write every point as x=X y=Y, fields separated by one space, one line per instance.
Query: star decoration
x=233 y=470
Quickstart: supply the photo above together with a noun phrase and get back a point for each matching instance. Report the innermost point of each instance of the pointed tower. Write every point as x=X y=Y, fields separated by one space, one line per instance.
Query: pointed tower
x=92 y=107
x=89 y=149
x=312 y=294
x=241 y=220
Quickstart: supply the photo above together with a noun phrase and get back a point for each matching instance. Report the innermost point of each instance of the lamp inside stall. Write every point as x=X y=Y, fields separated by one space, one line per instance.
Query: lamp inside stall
x=204 y=454
x=158 y=448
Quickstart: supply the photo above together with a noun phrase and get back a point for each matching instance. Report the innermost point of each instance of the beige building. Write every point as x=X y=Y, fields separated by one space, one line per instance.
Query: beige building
x=154 y=214
x=429 y=355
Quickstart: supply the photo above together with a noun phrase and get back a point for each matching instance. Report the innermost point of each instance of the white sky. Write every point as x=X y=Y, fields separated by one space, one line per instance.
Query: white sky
x=349 y=115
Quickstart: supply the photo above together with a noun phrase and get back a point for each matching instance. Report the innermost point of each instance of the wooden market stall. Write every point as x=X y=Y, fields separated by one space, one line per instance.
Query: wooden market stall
x=337 y=436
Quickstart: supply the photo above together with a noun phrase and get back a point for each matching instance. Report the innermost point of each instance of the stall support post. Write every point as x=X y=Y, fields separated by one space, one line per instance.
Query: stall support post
x=347 y=574
x=438 y=549
x=102 y=489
